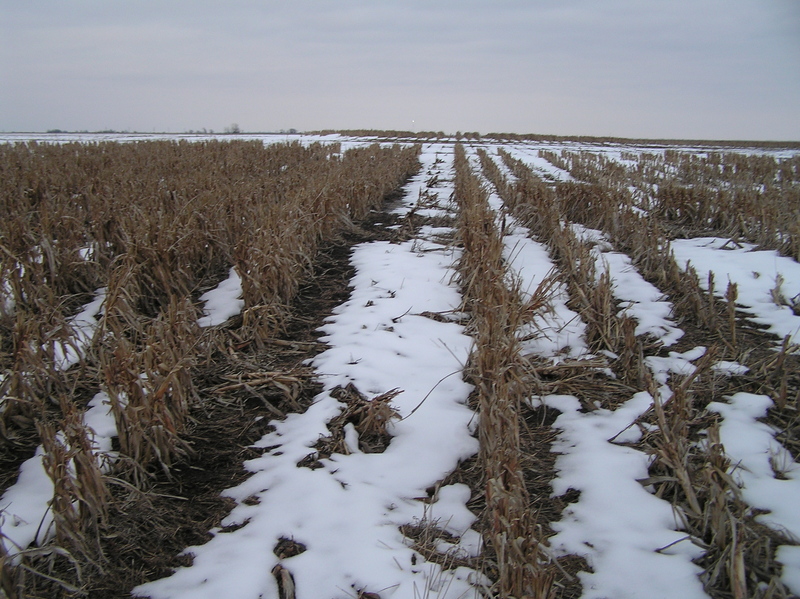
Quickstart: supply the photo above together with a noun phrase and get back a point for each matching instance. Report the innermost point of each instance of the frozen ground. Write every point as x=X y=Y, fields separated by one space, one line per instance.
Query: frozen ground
x=347 y=513
x=631 y=539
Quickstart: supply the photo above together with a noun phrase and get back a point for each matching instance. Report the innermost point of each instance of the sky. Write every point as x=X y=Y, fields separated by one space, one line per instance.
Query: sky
x=690 y=69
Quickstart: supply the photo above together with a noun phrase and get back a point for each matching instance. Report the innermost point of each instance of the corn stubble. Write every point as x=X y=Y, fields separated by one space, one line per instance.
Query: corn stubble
x=516 y=559
x=155 y=223
x=158 y=223
x=676 y=194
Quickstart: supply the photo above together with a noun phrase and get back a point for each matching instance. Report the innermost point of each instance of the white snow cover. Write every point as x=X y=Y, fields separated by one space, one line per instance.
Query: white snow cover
x=223 y=301
x=756 y=272
x=25 y=506
x=437 y=164
x=639 y=299
x=756 y=458
x=347 y=513
x=7 y=303
x=83 y=326
x=25 y=516
x=492 y=151
x=541 y=166
x=628 y=536
x=558 y=333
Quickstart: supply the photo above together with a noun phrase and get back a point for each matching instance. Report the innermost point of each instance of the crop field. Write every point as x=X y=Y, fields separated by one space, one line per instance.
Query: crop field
x=373 y=365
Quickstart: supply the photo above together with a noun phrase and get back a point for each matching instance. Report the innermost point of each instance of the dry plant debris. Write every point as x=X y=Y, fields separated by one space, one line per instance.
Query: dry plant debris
x=157 y=224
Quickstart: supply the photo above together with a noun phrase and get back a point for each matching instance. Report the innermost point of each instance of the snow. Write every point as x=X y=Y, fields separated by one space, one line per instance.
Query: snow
x=757 y=458
x=223 y=301
x=26 y=516
x=729 y=368
x=639 y=299
x=7 y=303
x=541 y=166
x=629 y=537
x=348 y=512
x=436 y=161
x=674 y=363
x=756 y=273
x=83 y=326
x=627 y=534
x=556 y=333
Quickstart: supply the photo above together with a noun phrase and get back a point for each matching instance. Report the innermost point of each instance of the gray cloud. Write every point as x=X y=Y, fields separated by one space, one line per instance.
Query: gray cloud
x=687 y=68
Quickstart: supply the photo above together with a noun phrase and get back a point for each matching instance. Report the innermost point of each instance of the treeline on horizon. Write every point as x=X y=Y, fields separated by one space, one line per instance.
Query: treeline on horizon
x=458 y=136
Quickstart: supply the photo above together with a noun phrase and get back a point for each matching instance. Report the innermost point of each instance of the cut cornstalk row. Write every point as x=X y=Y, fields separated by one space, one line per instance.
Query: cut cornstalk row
x=497 y=372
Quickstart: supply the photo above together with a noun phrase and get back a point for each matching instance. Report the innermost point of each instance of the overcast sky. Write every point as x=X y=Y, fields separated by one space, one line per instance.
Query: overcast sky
x=721 y=69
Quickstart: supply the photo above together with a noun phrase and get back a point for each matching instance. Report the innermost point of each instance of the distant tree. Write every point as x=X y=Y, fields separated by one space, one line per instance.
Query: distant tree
x=234 y=129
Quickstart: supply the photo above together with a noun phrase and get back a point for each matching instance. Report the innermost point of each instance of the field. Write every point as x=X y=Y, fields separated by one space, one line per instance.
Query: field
x=398 y=365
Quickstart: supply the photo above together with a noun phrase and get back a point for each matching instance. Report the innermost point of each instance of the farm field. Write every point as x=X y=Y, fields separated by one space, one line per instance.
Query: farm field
x=343 y=365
